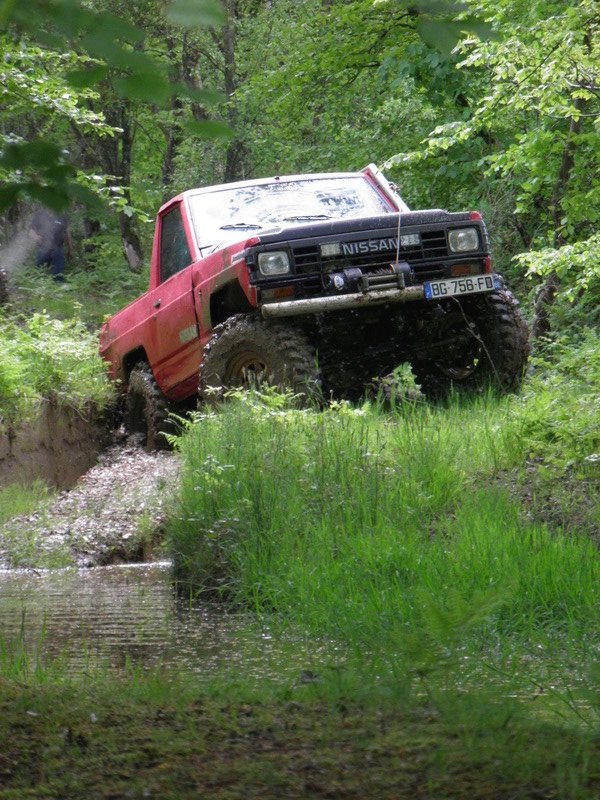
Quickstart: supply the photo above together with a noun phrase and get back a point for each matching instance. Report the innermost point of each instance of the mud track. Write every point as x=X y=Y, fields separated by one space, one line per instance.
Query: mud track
x=114 y=513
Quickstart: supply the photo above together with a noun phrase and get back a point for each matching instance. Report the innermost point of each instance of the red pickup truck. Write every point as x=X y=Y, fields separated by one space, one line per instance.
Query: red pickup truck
x=320 y=282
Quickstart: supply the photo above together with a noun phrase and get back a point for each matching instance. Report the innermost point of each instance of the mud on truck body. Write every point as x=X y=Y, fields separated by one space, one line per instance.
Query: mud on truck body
x=323 y=283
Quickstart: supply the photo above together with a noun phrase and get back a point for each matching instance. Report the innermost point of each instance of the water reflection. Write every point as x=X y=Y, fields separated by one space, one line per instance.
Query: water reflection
x=109 y=615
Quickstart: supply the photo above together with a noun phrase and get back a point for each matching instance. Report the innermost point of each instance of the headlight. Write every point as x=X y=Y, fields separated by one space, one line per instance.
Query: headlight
x=461 y=240
x=275 y=263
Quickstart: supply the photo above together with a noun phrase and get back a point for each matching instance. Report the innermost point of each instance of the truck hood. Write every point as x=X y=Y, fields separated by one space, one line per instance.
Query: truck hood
x=357 y=225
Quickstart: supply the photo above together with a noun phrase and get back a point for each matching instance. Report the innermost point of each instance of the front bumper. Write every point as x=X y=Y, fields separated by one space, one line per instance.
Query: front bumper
x=376 y=297
x=317 y=305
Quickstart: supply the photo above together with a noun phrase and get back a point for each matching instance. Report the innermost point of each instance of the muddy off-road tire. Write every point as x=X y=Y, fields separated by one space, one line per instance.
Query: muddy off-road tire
x=484 y=341
x=247 y=351
x=147 y=409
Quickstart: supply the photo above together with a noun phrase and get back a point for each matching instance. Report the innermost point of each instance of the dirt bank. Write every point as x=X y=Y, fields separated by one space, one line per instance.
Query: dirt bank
x=114 y=513
x=58 y=446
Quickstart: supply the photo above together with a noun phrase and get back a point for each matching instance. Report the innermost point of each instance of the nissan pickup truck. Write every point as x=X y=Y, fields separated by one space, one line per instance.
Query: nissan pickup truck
x=322 y=283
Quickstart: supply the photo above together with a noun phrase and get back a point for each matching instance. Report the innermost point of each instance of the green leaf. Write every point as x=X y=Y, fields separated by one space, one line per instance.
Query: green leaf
x=102 y=46
x=54 y=197
x=144 y=86
x=9 y=195
x=87 y=197
x=58 y=173
x=440 y=34
x=30 y=154
x=84 y=78
x=445 y=7
x=207 y=96
x=195 y=12
x=209 y=129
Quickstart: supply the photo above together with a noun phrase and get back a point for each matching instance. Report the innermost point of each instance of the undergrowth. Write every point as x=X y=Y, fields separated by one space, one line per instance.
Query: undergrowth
x=20 y=498
x=459 y=630
x=46 y=359
x=89 y=293
x=396 y=535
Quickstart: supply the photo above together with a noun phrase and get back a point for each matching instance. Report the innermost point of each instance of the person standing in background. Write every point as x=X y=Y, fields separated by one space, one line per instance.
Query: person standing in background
x=50 y=232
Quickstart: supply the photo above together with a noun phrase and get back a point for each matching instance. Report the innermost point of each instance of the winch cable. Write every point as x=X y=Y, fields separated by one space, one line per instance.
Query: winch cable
x=398 y=240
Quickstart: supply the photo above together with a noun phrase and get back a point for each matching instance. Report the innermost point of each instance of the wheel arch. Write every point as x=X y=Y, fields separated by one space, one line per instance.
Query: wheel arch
x=132 y=359
x=228 y=301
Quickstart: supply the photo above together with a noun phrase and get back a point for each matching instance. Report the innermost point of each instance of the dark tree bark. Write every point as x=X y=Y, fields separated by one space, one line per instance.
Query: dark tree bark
x=184 y=54
x=115 y=154
x=546 y=294
x=226 y=41
x=171 y=131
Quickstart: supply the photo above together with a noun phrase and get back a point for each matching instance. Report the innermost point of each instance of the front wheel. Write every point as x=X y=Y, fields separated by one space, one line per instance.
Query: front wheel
x=247 y=351
x=147 y=409
x=478 y=342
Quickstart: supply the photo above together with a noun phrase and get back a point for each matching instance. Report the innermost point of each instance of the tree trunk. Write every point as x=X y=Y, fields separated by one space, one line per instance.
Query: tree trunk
x=235 y=148
x=549 y=289
x=115 y=158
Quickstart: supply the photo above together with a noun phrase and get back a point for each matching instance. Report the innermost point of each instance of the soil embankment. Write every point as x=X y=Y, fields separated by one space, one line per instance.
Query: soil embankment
x=57 y=446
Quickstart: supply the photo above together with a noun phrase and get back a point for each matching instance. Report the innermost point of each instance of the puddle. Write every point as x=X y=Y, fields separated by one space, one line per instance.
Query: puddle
x=109 y=616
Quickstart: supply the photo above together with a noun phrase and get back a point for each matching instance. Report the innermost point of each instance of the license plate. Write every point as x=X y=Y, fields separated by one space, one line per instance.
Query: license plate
x=434 y=290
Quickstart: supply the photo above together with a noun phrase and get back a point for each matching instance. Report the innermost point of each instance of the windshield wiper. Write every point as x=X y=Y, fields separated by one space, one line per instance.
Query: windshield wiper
x=305 y=217
x=242 y=226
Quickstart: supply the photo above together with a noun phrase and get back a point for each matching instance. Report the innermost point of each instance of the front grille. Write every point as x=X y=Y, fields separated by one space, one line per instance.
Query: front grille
x=424 y=259
x=368 y=252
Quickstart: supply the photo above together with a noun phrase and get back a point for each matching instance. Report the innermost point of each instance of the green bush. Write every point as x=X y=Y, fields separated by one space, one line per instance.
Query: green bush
x=559 y=419
x=55 y=360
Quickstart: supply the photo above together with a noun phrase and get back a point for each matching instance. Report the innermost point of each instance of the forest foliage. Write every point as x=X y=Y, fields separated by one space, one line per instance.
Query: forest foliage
x=115 y=107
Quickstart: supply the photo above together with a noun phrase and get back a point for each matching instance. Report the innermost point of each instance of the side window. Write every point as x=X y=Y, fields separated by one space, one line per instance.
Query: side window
x=174 y=250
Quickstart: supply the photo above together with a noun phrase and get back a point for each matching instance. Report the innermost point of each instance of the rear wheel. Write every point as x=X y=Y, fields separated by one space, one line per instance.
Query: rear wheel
x=247 y=351
x=478 y=342
x=147 y=409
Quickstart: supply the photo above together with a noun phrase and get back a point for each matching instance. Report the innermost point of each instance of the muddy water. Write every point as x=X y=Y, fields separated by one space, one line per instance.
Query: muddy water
x=109 y=616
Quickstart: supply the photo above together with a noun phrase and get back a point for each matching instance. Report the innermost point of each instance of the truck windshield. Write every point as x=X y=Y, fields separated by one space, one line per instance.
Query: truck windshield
x=222 y=216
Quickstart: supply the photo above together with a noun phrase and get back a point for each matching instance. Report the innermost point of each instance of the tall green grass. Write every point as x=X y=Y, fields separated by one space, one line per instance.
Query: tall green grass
x=20 y=498
x=410 y=538
x=356 y=524
x=560 y=414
